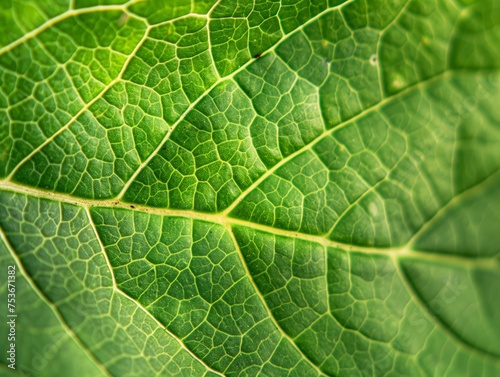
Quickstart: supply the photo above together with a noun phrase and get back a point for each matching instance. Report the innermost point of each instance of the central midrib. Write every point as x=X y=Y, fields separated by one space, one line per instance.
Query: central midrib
x=225 y=220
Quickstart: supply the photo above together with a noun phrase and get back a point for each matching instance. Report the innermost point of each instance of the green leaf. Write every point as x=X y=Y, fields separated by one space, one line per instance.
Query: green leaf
x=251 y=188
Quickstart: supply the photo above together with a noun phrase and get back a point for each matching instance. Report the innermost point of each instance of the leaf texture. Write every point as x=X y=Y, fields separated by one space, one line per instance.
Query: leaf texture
x=251 y=188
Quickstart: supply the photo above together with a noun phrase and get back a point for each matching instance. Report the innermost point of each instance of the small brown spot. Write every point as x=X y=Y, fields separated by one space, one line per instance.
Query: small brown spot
x=123 y=19
x=256 y=56
x=132 y=207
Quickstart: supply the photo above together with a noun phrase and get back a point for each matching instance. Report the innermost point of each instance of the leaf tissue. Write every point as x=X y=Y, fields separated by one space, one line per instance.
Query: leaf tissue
x=250 y=187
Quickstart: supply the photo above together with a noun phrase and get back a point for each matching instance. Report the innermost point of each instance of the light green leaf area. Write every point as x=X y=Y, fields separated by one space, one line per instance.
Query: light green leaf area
x=251 y=188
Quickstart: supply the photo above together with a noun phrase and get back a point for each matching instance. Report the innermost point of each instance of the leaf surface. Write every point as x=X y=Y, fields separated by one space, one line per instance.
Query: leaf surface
x=252 y=188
